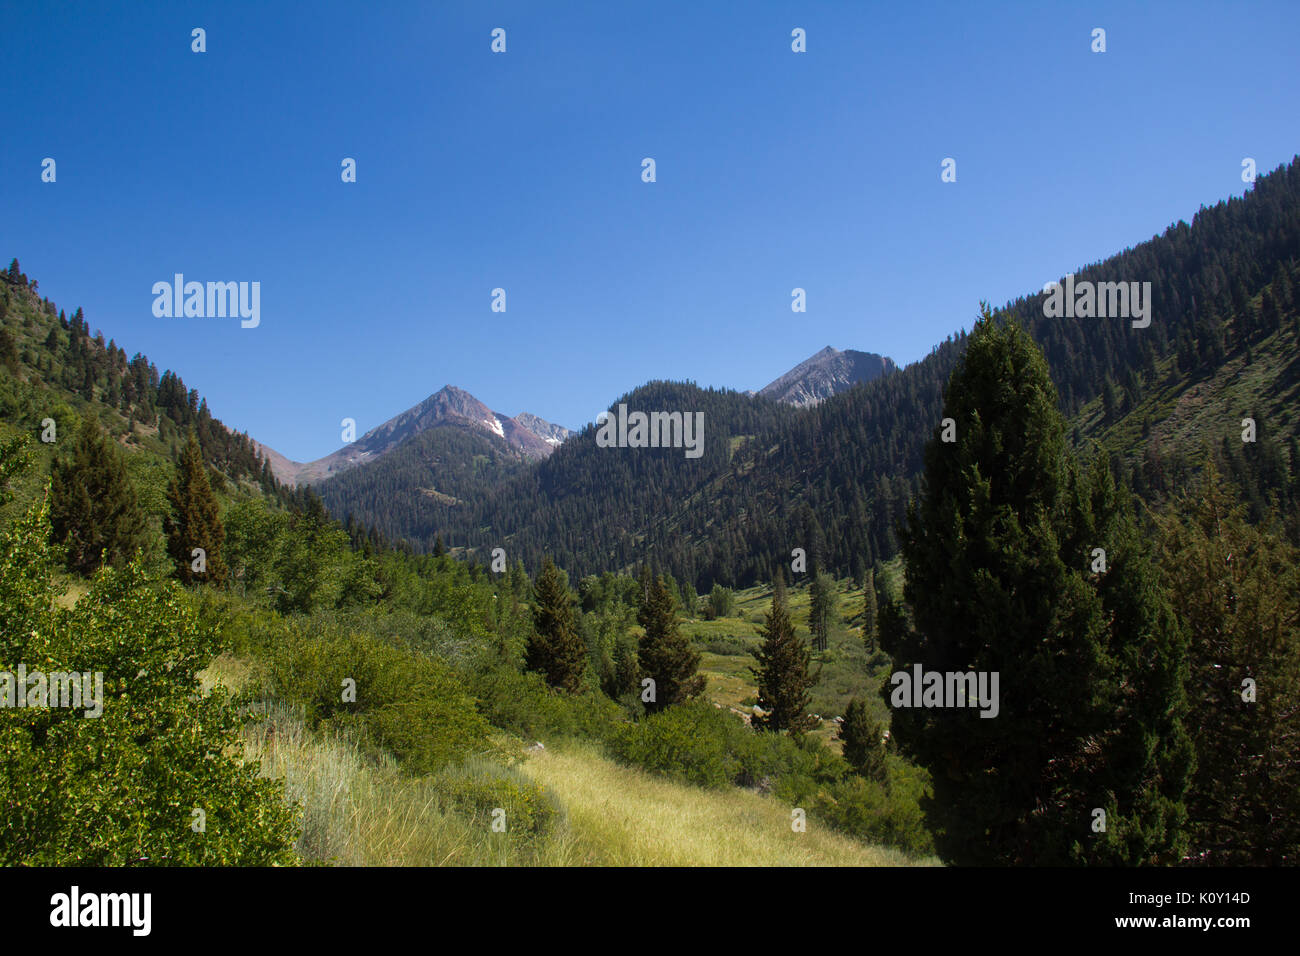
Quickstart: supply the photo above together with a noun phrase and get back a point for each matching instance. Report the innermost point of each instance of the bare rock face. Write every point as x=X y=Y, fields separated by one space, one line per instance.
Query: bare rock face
x=828 y=372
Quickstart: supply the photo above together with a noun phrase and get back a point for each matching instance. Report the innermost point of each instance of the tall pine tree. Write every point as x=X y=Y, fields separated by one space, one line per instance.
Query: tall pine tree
x=94 y=512
x=821 y=601
x=869 y=612
x=1238 y=588
x=194 y=530
x=999 y=557
x=556 y=649
x=665 y=655
x=782 y=671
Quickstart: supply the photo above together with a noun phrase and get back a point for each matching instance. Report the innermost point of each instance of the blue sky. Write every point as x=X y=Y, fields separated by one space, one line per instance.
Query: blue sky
x=522 y=171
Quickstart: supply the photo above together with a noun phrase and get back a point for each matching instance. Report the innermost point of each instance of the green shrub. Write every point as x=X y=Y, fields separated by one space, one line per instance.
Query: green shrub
x=405 y=702
x=884 y=813
x=796 y=767
x=693 y=742
x=728 y=645
x=122 y=787
x=478 y=788
x=524 y=705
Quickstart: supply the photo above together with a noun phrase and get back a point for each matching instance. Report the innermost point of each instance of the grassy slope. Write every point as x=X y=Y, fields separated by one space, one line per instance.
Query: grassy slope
x=725 y=647
x=1185 y=411
x=359 y=812
x=622 y=816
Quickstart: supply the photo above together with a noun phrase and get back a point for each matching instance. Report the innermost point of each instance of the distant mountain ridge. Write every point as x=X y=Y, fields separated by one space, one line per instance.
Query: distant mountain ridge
x=827 y=373
x=528 y=435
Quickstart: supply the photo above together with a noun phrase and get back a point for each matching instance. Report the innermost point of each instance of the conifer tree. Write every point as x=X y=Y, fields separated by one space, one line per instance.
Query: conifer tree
x=1238 y=589
x=556 y=649
x=863 y=737
x=782 y=671
x=94 y=512
x=665 y=655
x=821 y=598
x=869 y=612
x=194 y=524
x=998 y=579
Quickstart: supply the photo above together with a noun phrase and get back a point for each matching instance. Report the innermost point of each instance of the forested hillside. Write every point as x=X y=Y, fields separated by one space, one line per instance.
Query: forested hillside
x=55 y=369
x=835 y=478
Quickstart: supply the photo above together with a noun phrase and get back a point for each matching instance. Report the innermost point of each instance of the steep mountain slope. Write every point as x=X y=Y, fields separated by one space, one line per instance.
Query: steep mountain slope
x=53 y=368
x=391 y=494
x=451 y=406
x=546 y=431
x=827 y=373
x=835 y=477
x=412 y=487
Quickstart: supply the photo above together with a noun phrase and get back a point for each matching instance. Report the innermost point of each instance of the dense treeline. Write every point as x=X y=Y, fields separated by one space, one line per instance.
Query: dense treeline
x=835 y=479
x=54 y=359
x=1144 y=697
x=420 y=480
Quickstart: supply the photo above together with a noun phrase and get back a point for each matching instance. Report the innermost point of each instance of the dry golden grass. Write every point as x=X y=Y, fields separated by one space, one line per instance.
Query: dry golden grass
x=359 y=810
x=621 y=816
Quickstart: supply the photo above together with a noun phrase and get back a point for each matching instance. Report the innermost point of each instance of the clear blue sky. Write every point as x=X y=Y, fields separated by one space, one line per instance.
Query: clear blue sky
x=775 y=170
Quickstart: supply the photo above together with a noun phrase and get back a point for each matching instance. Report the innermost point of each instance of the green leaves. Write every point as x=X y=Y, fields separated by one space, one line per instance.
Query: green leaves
x=122 y=788
x=400 y=699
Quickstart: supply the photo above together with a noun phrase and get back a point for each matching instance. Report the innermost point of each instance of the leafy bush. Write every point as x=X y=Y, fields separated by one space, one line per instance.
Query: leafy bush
x=885 y=813
x=728 y=645
x=693 y=742
x=720 y=603
x=122 y=787
x=524 y=705
x=478 y=788
x=406 y=702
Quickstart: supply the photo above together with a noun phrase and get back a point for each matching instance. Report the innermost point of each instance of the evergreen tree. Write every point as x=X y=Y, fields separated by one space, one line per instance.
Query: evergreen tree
x=195 y=521
x=782 y=671
x=1238 y=589
x=665 y=655
x=690 y=600
x=821 y=600
x=94 y=512
x=778 y=585
x=863 y=737
x=869 y=636
x=556 y=649
x=998 y=579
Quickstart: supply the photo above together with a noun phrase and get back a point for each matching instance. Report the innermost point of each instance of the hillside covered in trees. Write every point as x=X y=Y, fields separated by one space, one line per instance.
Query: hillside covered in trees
x=415 y=682
x=1222 y=345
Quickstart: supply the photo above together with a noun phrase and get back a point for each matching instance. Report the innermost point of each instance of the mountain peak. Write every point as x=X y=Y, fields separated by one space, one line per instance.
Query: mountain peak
x=450 y=406
x=826 y=373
